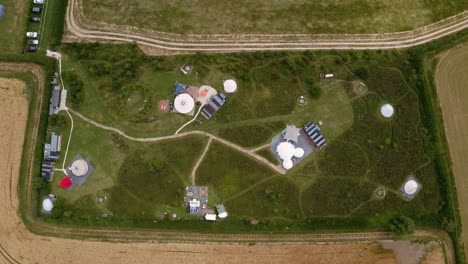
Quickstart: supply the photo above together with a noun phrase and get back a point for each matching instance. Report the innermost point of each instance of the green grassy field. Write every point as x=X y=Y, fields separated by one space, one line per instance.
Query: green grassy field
x=12 y=26
x=277 y=17
x=143 y=181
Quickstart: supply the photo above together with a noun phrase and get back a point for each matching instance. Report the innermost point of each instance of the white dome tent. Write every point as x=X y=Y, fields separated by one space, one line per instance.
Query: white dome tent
x=184 y=103
x=411 y=187
x=287 y=151
x=79 y=167
x=230 y=86
x=387 y=110
x=298 y=152
x=47 y=205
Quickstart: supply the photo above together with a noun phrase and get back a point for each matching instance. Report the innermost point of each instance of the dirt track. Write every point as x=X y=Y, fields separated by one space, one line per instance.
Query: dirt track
x=80 y=29
x=451 y=80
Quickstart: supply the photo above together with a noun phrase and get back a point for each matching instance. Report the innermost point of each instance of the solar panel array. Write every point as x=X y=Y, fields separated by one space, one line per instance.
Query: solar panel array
x=313 y=131
x=216 y=102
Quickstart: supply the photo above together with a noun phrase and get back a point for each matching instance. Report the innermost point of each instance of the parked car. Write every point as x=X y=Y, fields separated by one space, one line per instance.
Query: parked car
x=36 y=10
x=31 y=34
x=33 y=42
x=32 y=49
x=39 y=2
x=35 y=19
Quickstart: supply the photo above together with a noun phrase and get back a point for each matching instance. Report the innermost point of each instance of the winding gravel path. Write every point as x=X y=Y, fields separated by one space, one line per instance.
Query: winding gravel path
x=251 y=153
x=199 y=161
x=252 y=42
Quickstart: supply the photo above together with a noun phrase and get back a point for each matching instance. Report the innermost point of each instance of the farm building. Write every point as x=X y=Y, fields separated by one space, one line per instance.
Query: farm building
x=221 y=211
x=52 y=150
x=196 y=198
x=313 y=131
x=47 y=171
x=55 y=100
x=214 y=104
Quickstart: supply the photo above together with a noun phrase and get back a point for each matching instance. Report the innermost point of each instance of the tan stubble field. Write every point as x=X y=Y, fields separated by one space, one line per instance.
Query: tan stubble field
x=452 y=82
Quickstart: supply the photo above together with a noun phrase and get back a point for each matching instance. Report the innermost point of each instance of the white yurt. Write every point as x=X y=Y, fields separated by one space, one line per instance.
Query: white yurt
x=298 y=152
x=230 y=86
x=411 y=187
x=285 y=150
x=184 y=103
x=47 y=205
x=387 y=110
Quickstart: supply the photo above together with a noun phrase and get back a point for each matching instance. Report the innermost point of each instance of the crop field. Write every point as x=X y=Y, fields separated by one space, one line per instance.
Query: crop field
x=144 y=182
x=450 y=81
x=269 y=17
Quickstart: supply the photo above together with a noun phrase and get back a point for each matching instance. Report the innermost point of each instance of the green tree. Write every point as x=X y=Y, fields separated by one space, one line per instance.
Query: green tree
x=362 y=72
x=402 y=225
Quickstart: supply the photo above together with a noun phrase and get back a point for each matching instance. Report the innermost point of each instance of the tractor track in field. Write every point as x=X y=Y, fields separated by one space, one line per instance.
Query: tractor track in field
x=176 y=43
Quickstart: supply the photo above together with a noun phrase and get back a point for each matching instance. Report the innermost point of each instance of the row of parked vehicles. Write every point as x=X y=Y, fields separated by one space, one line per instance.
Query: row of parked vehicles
x=35 y=18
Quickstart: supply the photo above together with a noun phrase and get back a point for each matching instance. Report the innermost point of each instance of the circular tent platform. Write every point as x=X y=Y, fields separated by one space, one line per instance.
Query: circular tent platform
x=184 y=103
x=230 y=86
x=79 y=167
x=387 y=110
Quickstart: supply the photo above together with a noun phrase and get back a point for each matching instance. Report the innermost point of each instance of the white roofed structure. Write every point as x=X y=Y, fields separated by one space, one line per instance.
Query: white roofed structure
x=387 y=110
x=230 y=86
x=79 y=167
x=298 y=152
x=285 y=150
x=287 y=164
x=210 y=217
x=411 y=187
x=291 y=133
x=184 y=103
x=47 y=205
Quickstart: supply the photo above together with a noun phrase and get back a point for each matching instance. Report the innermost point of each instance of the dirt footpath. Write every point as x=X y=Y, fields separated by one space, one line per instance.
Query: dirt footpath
x=451 y=80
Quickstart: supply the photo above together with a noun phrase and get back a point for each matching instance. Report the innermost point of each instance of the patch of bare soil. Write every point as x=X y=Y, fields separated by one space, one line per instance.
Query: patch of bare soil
x=451 y=79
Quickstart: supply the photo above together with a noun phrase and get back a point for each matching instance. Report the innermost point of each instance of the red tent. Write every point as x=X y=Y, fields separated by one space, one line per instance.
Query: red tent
x=65 y=182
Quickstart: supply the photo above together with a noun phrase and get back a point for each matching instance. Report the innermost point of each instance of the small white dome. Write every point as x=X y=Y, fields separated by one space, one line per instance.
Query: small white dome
x=230 y=86
x=47 y=205
x=411 y=187
x=287 y=164
x=387 y=110
x=298 y=153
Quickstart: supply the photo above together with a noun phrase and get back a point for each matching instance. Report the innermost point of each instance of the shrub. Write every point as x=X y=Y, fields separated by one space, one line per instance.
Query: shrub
x=402 y=225
x=362 y=72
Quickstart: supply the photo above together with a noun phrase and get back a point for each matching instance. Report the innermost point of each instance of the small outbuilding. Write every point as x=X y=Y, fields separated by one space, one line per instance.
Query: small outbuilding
x=221 y=211
x=214 y=104
x=210 y=217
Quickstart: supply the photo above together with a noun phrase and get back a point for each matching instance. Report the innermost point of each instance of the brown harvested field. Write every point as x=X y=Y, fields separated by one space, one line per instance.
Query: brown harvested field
x=451 y=80
x=18 y=245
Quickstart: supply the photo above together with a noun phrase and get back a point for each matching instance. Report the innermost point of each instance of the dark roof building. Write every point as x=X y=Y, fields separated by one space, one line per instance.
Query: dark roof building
x=47 y=171
x=215 y=103
x=313 y=131
x=55 y=100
